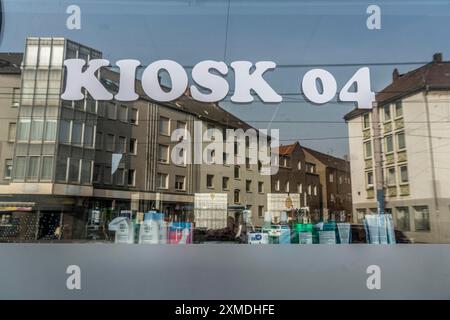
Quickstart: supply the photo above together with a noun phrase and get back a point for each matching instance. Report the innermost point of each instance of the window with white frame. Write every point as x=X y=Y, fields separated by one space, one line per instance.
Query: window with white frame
x=162 y=181
x=180 y=183
x=164 y=126
x=391 y=179
x=163 y=153
x=404 y=174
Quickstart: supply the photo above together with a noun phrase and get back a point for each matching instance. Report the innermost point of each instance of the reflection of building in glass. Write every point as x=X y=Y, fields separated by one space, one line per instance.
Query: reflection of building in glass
x=414 y=122
x=65 y=163
x=321 y=181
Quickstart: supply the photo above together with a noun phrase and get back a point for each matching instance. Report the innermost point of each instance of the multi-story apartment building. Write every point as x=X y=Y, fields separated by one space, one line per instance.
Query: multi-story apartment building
x=296 y=179
x=321 y=181
x=65 y=163
x=334 y=173
x=414 y=123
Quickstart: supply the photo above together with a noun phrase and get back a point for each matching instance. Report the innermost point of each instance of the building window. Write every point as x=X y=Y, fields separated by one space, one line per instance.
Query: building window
x=37 y=130
x=389 y=143
x=398 y=109
x=368 y=150
x=299 y=188
x=33 y=168
x=260 y=211
x=163 y=153
x=340 y=179
x=248 y=185
x=107 y=175
x=247 y=163
x=331 y=177
x=47 y=168
x=391 y=181
x=8 y=168
x=315 y=190
x=286 y=186
x=387 y=113
x=309 y=190
x=422 y=218
x=131 y=177
x=12 y=132
x=122 y=145
x=225 y=158
x=86 y=168
x=331 y=197
x=50 y=130
x=23 y=132
x=15 y=97
x=123 y=113
x=237 y=196
x=404 y=174
x=369 y=179
x=179 y=183
x=120 y=177
x=236 y=148
x=401 y=141
x=181 y=126
x=133 y=146
x=109 y=142
x=402 y=218
x=164 y=126
x=162 y=181
x=88 y=136
x=98 y=140
x=20 y=167
x=77 y=129
x=74 y=170
x=277 y=185
x=366 y=121
x=210 y=181
x=64 y=132
x=260 y=187
x=299 y=165
x=111 y=111
x=225 y=181
x=237 y=172
x=97 y=176
x=134 y=116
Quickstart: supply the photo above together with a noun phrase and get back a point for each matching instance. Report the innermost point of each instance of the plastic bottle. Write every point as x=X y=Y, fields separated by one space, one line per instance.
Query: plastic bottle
x=162 y=227
x=124 y=228
x=149 y=232
x=285 y=231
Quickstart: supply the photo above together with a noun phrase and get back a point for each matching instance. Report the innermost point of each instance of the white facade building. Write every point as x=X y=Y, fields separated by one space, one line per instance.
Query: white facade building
x=415 y=128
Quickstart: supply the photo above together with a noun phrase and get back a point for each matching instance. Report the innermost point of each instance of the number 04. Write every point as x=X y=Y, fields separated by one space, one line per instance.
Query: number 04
x=363 y=95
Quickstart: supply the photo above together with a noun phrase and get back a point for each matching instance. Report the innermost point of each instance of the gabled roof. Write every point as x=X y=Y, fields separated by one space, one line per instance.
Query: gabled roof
x=10 y=62
x=284 y=150
x=435 y=75
x=328 y=160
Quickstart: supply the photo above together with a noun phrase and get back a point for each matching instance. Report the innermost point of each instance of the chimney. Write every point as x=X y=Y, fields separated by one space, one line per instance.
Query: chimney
x=437 y=57
x=395 y=74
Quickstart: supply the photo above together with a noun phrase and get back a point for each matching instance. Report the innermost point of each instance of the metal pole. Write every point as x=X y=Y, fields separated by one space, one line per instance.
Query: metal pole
x=378 y=158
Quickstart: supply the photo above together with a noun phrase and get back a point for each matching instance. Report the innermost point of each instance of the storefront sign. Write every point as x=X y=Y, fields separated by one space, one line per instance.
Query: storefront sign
x=210 y=84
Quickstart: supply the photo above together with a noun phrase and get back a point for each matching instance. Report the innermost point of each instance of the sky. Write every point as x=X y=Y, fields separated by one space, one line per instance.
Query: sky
x=297 y=35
